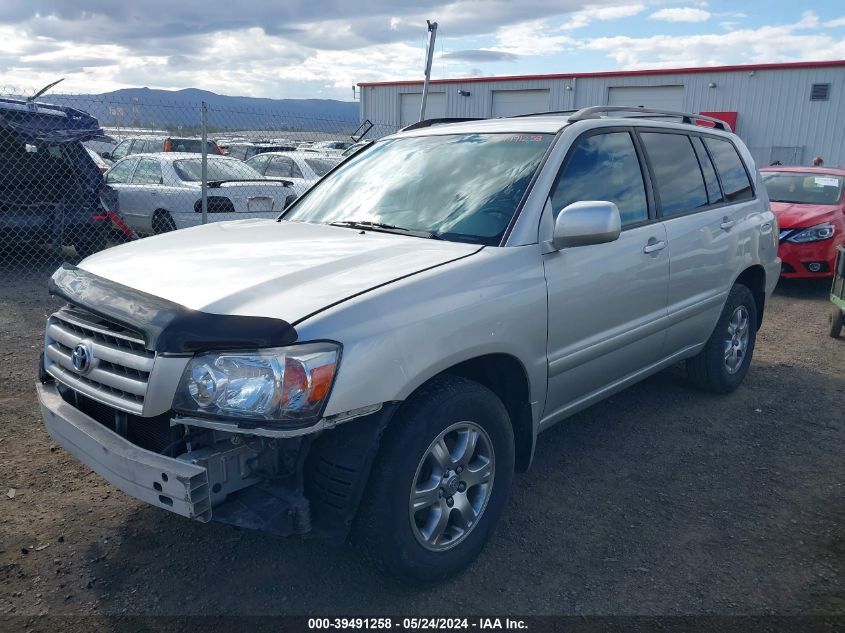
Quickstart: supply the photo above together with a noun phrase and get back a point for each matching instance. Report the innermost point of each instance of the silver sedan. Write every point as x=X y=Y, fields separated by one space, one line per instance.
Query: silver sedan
x=162 y=192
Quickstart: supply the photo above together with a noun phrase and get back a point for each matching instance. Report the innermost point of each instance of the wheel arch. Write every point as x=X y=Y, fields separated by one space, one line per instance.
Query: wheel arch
x=754 y=278
x=504 y=375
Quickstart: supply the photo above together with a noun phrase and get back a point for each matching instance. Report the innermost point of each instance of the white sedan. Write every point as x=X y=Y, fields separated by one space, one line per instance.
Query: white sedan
x=162 y=192
x=302 y=169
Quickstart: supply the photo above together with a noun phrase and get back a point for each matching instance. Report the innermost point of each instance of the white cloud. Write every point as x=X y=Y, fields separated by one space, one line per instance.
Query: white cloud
x=766 y=44
x=836 y=22
x=681 y=14
x=583 y=18
x=530 y=38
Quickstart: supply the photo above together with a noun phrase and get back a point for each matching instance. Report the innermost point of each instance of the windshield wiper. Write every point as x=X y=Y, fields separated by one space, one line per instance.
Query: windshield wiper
x=387 y=228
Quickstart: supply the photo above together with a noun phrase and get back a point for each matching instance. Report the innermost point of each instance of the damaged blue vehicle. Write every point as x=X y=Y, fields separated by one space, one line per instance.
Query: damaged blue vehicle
x=51 y=191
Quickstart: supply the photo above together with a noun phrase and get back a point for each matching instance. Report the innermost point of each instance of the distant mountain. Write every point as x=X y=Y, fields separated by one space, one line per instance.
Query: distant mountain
x=181 y=109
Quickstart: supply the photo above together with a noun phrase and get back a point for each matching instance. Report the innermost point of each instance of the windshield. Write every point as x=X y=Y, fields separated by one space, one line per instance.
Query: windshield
x=803 y=188
x=321 y=166
x=190 y=170
x=463 y=187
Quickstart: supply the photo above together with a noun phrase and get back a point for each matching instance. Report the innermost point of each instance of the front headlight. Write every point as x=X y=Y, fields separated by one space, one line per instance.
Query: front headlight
x=280 y=385
x=813 y=234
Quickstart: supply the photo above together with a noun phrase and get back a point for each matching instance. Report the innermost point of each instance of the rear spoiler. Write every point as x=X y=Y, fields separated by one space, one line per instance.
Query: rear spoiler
x=216 y=184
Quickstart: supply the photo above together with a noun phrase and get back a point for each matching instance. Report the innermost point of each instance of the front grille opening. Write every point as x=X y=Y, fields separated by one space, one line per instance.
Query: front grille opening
x=153 y=434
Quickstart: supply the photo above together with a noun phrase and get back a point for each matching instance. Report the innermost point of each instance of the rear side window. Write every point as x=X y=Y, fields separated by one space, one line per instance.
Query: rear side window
x=714 y=191
x=148 y=172
x=279 y=167
x=731 y=170
x=258 y=163
x=680 y=185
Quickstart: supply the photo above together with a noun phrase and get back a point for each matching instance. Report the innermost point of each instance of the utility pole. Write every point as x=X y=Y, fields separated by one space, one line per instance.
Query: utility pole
x=432 y=29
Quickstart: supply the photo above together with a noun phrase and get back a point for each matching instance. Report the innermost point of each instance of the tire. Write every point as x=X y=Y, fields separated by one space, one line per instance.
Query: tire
x=712 y=369
x=837 y=322
x=390 y=532
x=163 y=223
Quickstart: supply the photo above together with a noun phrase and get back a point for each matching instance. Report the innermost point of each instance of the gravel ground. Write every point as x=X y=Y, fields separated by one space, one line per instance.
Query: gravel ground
x=662 y=500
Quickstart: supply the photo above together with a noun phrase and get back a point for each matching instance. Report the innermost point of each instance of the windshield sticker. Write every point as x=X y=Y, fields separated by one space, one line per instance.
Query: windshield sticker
x=526 y=138
x=826 y=181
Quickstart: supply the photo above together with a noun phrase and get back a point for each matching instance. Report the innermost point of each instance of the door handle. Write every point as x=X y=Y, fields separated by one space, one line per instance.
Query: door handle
x=654 y=246
x=727 y=224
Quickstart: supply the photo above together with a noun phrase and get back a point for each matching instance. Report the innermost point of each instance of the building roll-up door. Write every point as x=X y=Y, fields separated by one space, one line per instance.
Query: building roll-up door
x=658 y=97
x=513 y=102
x=409 y=106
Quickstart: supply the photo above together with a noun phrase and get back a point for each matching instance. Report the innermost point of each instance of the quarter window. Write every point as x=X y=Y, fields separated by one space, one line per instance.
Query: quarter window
x=677 y=175
x=604 y=167
x=731 y=170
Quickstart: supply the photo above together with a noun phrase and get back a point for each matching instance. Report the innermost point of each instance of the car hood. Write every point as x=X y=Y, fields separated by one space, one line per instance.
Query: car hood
x=791 y=215
x=284 y=270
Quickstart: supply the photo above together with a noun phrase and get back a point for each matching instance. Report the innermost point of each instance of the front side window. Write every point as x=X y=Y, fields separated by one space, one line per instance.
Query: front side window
x=677 y=175
x=120 y=173
x=803 y=187
x=461 y=187
x=148 y=172
x=604 y=167
x=735 y=181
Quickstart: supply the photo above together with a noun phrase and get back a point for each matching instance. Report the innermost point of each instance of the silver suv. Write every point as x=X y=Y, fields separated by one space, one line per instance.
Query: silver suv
x=379 y=361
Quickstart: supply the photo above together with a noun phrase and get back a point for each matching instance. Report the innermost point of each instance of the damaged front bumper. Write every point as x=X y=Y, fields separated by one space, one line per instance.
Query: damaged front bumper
x=205 y=484
x=166 y=482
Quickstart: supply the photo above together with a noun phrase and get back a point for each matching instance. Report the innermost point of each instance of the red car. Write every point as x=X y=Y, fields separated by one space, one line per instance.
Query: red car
x=809 y=203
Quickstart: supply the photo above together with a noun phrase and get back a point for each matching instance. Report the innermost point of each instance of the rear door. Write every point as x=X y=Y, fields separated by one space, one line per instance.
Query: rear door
x=147 y=192
x=702 y=221
x=607 y=302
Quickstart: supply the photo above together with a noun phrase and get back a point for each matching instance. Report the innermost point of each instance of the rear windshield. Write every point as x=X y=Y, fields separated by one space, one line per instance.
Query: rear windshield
x=321 y=166
x=190 y=170
x=803 y=187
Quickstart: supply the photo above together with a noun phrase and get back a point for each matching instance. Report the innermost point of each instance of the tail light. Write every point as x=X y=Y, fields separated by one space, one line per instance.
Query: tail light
x=219 y=150
x=168 y=145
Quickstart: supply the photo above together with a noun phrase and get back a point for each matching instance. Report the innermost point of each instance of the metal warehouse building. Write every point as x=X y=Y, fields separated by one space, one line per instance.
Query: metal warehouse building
x=784 y=112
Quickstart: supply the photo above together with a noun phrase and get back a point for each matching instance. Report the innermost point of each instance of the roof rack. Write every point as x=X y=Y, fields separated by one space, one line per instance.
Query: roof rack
x=595 y=112
x=430 y=122
x=519 y=116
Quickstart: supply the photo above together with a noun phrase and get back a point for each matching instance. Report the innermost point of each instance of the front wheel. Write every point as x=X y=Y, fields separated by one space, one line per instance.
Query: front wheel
x=837 y=321
x=440 y=483
x=723 y=362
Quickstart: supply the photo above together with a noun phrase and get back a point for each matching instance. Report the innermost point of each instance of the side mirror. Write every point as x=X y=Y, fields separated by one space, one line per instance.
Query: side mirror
x=585 y=223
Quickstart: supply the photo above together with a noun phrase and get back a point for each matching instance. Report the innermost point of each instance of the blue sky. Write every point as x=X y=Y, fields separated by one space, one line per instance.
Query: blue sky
x=320 y=48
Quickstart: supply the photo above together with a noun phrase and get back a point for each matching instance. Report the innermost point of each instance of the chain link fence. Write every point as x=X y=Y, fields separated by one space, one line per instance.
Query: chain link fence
x=81 y=173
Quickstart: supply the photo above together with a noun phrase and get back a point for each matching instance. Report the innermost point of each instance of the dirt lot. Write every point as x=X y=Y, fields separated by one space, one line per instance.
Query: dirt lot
x=661 y=500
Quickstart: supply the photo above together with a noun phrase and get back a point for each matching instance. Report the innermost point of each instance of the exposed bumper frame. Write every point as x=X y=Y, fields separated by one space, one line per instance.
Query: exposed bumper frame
x=165 y=482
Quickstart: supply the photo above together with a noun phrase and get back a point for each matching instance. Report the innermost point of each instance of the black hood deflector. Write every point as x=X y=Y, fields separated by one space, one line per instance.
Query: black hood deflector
x=167 y=326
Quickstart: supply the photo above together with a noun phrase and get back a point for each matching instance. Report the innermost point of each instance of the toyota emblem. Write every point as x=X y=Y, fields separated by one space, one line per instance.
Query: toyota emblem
x=82 y=359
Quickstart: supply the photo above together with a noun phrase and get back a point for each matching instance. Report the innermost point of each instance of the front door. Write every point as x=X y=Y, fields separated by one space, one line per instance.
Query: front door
x=606 y=302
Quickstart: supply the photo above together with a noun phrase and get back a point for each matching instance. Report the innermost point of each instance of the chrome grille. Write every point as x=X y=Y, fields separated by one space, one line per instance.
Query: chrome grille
x=121 y=365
